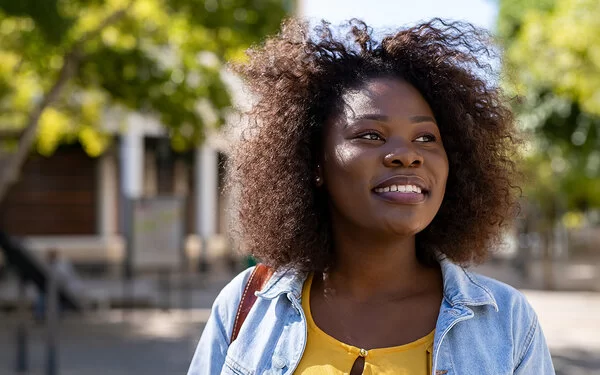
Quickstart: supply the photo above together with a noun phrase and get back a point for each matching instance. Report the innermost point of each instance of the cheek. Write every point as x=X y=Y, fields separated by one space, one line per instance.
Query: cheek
x=346 y=172
x=438 y=162
x=343 y=159
x=441 y=176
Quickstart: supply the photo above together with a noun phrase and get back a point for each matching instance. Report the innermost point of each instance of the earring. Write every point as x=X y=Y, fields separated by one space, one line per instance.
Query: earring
x=318 y=179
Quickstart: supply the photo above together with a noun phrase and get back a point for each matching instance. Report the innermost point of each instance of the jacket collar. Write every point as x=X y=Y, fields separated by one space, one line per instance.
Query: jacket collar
x=461 y=287
x=284 y=281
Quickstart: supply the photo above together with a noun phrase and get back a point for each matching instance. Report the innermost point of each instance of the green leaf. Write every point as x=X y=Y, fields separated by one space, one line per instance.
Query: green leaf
x=162 y=58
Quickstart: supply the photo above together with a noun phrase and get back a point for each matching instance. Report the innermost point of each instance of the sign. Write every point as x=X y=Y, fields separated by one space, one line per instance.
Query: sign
x=158 y=230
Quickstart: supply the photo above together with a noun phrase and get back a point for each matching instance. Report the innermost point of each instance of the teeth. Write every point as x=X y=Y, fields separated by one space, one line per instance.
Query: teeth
x=400 y=188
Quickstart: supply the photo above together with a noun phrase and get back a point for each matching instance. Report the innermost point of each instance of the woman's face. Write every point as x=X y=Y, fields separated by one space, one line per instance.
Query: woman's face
x=384 y=164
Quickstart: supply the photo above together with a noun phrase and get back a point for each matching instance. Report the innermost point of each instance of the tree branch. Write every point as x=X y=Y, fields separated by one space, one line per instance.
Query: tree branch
x=71 y=62
x=114 y=17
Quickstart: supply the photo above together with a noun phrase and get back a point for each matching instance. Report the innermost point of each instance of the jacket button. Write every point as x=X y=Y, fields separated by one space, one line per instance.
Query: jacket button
x=279 y=362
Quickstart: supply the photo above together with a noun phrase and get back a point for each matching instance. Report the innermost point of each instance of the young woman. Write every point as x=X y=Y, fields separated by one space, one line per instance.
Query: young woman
x=372 y=173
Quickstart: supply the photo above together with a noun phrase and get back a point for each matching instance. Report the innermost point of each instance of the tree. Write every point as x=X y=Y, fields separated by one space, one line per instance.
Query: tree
x=552 y=67
x=66 y=62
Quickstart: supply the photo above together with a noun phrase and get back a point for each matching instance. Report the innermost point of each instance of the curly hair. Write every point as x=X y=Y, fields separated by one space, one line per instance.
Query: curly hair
x=298 y=79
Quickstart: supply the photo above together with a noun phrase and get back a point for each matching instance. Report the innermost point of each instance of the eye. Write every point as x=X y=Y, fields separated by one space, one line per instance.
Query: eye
x=426 y=138
x=371 y=136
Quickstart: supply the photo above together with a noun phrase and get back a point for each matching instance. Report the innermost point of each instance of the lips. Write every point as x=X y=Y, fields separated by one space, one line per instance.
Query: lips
x=403 y=189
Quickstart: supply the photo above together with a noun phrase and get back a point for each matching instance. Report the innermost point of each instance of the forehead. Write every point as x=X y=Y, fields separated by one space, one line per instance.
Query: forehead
x=385 y=96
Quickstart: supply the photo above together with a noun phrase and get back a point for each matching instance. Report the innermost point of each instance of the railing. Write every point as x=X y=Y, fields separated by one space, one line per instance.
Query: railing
x=56 y=297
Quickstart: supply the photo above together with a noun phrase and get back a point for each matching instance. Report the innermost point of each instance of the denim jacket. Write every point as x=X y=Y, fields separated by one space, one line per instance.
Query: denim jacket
x=484 y=327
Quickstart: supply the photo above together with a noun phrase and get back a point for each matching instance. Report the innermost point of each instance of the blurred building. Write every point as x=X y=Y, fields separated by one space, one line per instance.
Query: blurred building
x=73 y=202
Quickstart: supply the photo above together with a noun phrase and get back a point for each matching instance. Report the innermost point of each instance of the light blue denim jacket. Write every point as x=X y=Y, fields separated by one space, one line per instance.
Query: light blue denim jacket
x=484 y=328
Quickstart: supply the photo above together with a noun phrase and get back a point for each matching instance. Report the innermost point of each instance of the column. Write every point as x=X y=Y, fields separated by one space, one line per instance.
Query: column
x=206 y=190
x=132 y=163
x=106 y=181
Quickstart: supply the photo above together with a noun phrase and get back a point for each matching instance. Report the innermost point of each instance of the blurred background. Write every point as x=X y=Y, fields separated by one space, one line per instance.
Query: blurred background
x=116 y=117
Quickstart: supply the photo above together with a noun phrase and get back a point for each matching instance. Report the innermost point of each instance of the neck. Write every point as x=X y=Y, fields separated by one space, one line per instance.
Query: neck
x=367 y=269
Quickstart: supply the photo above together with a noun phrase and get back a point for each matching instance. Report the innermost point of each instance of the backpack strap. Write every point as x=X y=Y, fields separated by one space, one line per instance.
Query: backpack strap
x=259 y=277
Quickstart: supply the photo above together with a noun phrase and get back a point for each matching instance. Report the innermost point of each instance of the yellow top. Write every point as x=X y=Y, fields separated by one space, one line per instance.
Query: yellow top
x=324 y=355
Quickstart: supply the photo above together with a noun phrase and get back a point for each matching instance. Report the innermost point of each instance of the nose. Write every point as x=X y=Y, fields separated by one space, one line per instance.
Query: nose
x=403 y=156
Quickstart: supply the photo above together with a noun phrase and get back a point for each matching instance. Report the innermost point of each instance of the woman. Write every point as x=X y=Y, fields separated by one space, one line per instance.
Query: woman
x=373 y=172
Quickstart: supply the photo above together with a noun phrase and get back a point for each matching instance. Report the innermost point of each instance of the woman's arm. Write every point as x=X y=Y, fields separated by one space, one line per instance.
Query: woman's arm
x=535 y=357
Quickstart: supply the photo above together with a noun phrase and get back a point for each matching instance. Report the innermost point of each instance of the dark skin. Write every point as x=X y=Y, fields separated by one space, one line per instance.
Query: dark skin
x=378 y=294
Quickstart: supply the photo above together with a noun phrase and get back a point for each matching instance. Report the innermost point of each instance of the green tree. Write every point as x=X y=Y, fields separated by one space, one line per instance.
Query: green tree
x=552 y=65
x=65 y=63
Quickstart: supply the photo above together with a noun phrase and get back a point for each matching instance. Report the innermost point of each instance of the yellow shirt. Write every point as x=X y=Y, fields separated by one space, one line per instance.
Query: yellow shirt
x=324 y=355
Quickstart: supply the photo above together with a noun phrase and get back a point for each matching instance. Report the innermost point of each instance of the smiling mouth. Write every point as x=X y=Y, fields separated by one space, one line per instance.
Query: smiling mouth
x=401 y=194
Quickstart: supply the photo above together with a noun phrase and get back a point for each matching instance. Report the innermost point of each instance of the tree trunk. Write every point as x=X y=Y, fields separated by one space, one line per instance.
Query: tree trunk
x=14 y=161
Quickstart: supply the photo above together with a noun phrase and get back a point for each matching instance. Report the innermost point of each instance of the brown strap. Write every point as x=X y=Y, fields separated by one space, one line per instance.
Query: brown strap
x=259 y=277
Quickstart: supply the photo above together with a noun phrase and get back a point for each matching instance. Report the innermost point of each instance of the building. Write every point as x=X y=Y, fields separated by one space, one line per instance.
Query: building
x=73 y=202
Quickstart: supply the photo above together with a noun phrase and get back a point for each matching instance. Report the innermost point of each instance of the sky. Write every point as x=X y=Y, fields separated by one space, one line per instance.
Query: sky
x=382 y=14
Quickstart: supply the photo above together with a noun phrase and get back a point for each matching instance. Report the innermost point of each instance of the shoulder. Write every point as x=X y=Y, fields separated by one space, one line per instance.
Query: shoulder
x=514 y=312
x=231 y=294
x=502 y=321
x=464 y=286
x=226 y=304
x=508 y=299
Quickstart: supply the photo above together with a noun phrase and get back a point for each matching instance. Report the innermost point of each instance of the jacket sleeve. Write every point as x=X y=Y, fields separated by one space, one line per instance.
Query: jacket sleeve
x=211 y=351
x=535 y=355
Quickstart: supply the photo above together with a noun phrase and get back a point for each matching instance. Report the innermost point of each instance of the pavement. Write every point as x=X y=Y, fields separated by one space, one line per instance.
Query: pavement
x=146 y=342
x=157 y=342
x=571 y=324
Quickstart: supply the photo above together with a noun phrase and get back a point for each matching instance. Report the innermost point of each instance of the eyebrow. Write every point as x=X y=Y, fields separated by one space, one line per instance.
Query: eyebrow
x=417 y=119
x=384 y=118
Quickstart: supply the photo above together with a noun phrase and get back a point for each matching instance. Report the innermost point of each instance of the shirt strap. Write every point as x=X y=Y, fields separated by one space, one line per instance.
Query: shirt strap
x=259 y=277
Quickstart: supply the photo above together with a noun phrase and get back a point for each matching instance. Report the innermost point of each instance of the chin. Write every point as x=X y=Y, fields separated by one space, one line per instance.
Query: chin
x=403 y=229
